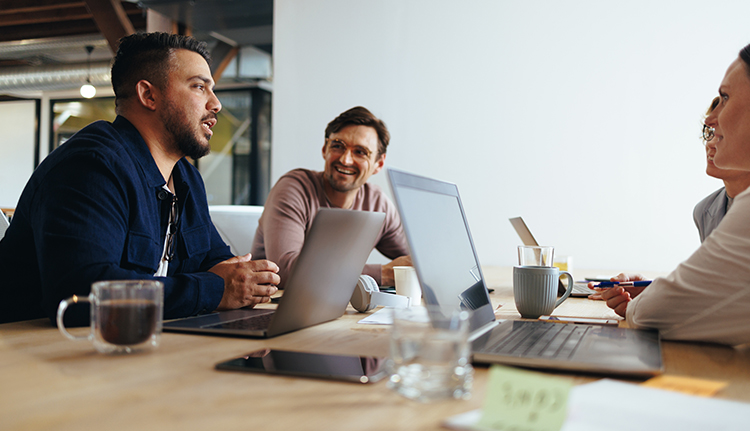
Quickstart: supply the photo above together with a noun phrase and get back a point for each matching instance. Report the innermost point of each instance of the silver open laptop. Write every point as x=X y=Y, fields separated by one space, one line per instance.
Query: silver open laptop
x=523 y=231
x=451 y=277
x=319 y=286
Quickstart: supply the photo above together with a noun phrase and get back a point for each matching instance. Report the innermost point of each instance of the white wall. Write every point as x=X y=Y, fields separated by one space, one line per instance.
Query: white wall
x=582 y=116
x=16 y=150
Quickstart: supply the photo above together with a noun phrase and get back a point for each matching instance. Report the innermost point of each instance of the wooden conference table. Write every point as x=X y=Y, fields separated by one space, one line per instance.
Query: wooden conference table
x=49 y=382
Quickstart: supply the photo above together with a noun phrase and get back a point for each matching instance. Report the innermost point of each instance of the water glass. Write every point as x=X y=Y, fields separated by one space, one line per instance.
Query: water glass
x=535 y=255
x=430 y=354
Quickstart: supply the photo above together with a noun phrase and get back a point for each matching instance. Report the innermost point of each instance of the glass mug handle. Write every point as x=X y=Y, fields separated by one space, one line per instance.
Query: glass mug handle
x=61 y=312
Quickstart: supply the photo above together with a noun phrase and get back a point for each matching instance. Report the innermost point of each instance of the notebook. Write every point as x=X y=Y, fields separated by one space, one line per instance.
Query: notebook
x=579 y=289
x=449 y=272
x=319 y=287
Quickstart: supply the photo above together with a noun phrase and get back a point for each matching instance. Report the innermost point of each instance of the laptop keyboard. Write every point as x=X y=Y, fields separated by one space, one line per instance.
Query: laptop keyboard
x=581 y=288
x=250 y=323
x=542 y=340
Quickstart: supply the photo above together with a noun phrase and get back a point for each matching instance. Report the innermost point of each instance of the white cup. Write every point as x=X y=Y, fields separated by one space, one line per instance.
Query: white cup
x=407 y=283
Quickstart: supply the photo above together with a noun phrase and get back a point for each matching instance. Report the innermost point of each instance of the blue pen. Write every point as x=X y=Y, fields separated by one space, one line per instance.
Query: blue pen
x=607 y=284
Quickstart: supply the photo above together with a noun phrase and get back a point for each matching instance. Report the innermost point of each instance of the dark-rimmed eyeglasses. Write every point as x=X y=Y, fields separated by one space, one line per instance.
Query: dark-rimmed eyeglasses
x=708 y=133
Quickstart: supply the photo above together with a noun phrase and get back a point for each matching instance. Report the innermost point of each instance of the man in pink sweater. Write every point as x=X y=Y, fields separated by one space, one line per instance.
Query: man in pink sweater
x=354 y=149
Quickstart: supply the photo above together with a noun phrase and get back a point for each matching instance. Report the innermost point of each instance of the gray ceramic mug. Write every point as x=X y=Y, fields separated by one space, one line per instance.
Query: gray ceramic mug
x=535 y=290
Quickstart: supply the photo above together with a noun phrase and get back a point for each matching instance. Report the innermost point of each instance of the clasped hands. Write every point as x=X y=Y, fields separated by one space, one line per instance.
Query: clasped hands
x=246 y=282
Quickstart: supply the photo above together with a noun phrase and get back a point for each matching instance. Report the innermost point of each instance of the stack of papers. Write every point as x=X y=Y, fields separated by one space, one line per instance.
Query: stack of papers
x=608 y=405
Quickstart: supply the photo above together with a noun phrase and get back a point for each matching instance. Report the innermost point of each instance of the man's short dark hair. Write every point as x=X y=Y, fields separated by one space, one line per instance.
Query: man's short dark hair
x=360 y=116
x=147 y=56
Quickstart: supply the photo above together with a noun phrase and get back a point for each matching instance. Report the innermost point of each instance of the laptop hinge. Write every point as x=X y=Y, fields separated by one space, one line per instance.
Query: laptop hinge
x=483 y=330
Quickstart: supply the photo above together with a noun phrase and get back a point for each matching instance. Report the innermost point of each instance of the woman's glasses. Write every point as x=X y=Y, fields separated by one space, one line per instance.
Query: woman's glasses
x=708 y=133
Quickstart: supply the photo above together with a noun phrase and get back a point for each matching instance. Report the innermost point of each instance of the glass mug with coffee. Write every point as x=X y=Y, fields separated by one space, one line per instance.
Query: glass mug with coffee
x=126 y=315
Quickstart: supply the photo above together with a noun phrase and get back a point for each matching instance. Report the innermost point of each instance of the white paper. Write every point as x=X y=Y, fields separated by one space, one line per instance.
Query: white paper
x=608 y=405
x=380 y=317
x=384 y=316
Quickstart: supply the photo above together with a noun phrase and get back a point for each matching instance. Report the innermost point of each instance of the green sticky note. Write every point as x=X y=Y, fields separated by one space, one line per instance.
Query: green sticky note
x=524 y=400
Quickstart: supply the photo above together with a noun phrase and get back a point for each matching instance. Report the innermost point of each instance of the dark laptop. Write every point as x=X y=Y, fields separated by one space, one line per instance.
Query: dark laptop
x=451 y=277
x=319 y=286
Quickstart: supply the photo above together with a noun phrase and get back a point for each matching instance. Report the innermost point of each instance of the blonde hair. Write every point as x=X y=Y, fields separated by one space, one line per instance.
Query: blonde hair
x=714 y=104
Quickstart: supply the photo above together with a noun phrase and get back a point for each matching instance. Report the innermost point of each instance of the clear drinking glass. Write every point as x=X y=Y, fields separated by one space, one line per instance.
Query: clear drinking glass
x=536 y=255
x=429 y=354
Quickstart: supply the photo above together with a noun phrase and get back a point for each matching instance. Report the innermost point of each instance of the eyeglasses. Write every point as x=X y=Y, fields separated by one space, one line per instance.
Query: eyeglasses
x=171 y=230
x=708 y=133
x=339 y=147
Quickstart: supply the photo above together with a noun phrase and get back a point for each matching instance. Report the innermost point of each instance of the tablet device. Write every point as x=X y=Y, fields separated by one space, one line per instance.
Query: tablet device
x=358 y=369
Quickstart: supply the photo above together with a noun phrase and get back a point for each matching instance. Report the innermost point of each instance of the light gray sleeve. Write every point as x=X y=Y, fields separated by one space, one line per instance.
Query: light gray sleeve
x=697 y=218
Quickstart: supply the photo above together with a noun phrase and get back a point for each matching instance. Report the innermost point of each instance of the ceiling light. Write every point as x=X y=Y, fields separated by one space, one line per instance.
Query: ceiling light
x=87 y=90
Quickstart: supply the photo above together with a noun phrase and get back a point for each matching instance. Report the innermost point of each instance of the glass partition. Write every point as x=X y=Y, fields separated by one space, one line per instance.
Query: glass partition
x=238 y=169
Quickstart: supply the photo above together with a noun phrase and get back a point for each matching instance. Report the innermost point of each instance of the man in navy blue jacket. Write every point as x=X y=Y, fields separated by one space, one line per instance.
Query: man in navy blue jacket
x=120 y=201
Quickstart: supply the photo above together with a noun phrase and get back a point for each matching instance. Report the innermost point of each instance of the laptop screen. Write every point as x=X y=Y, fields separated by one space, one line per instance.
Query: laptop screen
x=3 y=224
x=440 y=242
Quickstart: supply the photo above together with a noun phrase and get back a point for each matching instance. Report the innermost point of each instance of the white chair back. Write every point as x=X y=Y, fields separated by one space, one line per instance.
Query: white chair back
x=236 y=225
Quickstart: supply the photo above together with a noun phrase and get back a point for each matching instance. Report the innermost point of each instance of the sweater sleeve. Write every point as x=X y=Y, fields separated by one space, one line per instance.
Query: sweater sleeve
x=707 y=297
x=391 y=242
x=287 y=215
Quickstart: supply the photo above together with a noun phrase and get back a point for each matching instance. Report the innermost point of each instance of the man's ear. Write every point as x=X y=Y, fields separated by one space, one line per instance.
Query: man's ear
x=379 y=164
x=145 y=92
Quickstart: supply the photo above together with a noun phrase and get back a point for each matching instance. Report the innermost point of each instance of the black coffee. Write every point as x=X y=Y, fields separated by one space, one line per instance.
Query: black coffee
x=127 y=321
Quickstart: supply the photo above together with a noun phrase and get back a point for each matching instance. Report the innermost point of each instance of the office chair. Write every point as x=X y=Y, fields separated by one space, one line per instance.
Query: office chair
x=236 y=225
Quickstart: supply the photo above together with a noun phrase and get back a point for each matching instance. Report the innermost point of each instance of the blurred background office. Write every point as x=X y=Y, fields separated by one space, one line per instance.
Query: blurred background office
x=582 y=116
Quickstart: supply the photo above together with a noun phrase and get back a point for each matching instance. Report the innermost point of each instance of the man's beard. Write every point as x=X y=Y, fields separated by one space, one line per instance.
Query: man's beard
x=340 y=188
x=184 y=137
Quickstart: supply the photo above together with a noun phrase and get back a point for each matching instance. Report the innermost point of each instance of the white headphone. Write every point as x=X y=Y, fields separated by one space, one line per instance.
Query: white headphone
x=367 y=295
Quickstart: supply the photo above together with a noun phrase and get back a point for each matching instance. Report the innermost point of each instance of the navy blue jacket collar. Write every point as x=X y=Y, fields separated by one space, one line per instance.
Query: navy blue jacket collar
x=139 y=151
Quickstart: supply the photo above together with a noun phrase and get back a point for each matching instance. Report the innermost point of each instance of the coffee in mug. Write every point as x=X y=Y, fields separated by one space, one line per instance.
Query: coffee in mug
x=127 y=322
x=126 y=315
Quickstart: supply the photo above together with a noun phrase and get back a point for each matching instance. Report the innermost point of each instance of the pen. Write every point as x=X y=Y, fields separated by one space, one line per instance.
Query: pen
x=607 y=284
